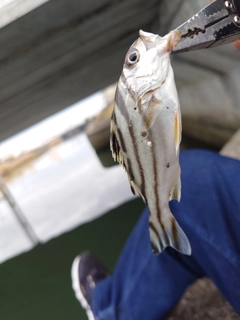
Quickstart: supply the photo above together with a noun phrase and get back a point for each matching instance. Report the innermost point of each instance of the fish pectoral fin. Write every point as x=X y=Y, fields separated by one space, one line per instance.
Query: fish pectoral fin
x=176 y=191
x=168 y=233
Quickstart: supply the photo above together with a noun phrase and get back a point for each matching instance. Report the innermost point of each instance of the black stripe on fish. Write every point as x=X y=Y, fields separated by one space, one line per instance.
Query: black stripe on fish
x=114 y=144
x=175 y=234
x=119 y=132
x=122 y=142
x=124 y=82
x=131 y=176
x=132 y=188
x=163 y=229
x=120 y=104
x=130 y=171
x=114 y=138
x=157 y=204
x=154 y=230
x=136 y=152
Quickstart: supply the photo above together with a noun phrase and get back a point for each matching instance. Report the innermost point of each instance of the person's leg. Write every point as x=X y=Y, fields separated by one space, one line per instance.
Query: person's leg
x=210 y=213
x=145 y=286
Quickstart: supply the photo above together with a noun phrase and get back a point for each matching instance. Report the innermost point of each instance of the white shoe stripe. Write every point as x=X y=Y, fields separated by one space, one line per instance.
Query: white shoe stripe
x=76 y=287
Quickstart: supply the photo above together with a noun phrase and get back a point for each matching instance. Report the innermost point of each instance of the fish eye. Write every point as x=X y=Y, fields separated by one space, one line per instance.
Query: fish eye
x=132 y=58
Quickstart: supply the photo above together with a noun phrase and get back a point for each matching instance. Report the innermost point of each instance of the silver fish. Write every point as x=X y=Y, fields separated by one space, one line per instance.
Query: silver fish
x=146 y=134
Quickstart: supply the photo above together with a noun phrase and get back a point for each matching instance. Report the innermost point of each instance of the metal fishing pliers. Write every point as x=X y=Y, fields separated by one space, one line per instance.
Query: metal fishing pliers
x=215 y=25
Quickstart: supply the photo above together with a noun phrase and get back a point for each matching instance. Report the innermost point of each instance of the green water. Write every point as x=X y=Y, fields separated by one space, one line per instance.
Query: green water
x=37 y=285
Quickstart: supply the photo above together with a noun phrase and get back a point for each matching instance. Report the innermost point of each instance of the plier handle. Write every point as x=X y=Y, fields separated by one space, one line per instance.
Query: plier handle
x=215 y=25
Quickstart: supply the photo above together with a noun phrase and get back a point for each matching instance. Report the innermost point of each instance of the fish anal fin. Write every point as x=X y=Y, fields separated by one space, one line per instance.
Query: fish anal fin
x=168 y=233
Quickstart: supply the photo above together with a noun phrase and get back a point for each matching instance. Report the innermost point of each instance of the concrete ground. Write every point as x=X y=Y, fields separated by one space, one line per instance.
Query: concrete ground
x=203 y=301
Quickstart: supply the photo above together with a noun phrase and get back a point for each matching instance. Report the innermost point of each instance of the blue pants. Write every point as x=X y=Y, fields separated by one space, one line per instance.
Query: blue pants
x=145 y=286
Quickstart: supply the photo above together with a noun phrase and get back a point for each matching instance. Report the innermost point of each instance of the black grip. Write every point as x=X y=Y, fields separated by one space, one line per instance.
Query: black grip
x=236 y=5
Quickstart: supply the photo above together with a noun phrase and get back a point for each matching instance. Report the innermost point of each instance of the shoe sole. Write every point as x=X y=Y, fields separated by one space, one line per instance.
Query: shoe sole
x=77 y=289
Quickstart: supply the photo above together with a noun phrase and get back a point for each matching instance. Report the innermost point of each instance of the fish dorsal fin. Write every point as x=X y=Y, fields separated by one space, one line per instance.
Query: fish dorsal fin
x=114 y=144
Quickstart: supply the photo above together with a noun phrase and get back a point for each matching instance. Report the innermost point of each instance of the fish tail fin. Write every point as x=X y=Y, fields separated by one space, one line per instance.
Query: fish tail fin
x=168 y=233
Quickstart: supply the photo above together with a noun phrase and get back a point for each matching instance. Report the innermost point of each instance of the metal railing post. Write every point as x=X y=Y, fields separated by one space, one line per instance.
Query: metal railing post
x=18 y=213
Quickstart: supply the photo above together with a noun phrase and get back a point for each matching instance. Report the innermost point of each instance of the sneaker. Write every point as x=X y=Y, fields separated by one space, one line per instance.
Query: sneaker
x=86 y=272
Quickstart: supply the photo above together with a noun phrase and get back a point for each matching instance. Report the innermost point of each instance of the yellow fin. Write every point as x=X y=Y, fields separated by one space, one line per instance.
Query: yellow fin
x=177 y=129
x=176 y=191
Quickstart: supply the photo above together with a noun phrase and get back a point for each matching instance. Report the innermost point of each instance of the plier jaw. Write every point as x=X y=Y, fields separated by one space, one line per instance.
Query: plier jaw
x=216 y=24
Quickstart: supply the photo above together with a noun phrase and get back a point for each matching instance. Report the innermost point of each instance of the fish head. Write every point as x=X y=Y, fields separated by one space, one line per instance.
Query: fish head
x=147 y=62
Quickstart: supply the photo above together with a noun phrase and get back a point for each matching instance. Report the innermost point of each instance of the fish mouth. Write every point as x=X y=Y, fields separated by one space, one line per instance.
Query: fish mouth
x=164 y=44
x=149 y=39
